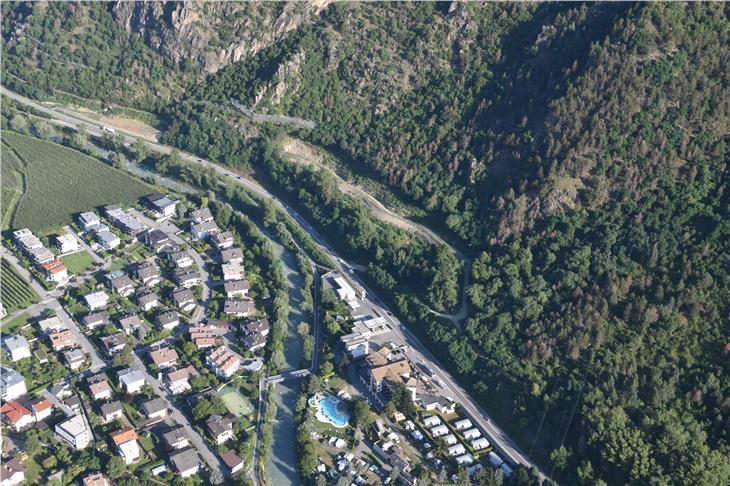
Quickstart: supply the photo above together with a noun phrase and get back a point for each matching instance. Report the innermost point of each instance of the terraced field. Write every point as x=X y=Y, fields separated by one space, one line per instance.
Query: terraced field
x=60 y=182
x=15 y=293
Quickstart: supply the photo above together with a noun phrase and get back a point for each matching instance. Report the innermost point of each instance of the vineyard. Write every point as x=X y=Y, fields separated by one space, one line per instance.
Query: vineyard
x=61 y=182
x=12 y=184
x=15 y=292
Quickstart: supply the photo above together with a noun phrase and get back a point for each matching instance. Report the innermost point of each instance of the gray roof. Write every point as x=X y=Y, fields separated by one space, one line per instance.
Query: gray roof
x=147 y=298
x=10 y=377
x=182 y=296
x=132 y=321
x=15 y=343
x=148 y=270
x=258 y=326
x=218 y=425
x=174 y=435
x=236 y=285
x=185 y=460
x=96 y=318
x=231 y=254
x=121 y=283
x=202 y=214
x=168 y=317
x=111 y=407
x=153 y=406
x=74 y=355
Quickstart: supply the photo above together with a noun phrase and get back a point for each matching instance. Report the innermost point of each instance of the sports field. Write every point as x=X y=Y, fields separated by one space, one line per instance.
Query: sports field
x=236 y=403
x=59 y=182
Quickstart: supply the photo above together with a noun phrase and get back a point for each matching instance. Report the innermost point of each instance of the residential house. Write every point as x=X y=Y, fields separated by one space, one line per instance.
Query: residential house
x=231 y=255
x=75 y=358
x=201 y=231
x=16 y=415
x=111 y=411
x=186 y=278
x=464 y=460
x=123 y=220
x=107 y=240
x=258 y=326
x=232 y=271
x=223 y=362
x=114 y=344
x=208 y=335
x=95 y=319
x=434 y=402
x=181 y=259
x=12 y=384
x=176 y=438
x=185 y=462
x=239 y=308
x=202 y=215
x=463 y=424
x=51 y=325
x=220 y=428
x=61 y=390
x=148 y=301
x=355 y=344
x=456 y=450
x=168 y=320
x=164 y=357
x=41 y=408
x=41 y=255
x=130 y=323
x=126 y=442
x=122 y=285
x=232 y=461
x=236 y=288
x=439 y=430
x=472 y=434
x=149 y=274
x=480 y=443
x=184 y=299
x=254 y=342
x=431 y=421
x=160 y=205
x=131 y=380
x=99 y=387
x=155 y=408
x=177 y=380
x=74 y=432
x=222 y=240
x=12 y=472
x=55 y=271
x=66 y=243
x=88 y=220
x=96 y=300
x=16 y=347
x=62 y=339
x=97 y=479
x=157 y=240
x=450 y=439
x=74 y=403
x=26 y=239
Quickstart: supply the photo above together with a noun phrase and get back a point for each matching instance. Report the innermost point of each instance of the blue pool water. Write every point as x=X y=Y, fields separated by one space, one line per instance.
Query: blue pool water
x=334 y=410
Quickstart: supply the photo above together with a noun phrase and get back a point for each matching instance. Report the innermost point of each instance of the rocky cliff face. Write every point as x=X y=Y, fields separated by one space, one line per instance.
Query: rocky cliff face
x=213 y=34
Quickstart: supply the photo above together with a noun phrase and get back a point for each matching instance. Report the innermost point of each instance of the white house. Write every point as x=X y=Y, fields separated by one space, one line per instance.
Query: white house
x=450 y=439
x=41 y=408
x=66 y=243
x=88 y=220
x=107 y=239
x=464 y=460
x=462 y=424
x=74 y=432
x=17 y=347
x=223 y=362
x=201 y=231
x=439 y=430
x=12 y=384
x=155 y=408
x=131 y=380
x=417 y=435
x=456 y=450
x=185 y=462
x=494 y=459
x=96 y=300
x=12 y=472
x=480 y=443
x=472 y=434
x=431 y=421
x=126 y=442
x=232 y=271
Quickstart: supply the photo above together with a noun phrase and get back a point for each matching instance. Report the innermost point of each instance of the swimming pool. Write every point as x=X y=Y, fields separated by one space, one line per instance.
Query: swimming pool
x=333 y=411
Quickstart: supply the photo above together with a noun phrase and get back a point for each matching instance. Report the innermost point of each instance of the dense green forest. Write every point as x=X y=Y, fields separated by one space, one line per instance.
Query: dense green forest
x=579 y=153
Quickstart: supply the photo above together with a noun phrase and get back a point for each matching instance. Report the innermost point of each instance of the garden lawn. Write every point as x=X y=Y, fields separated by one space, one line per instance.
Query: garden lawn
x=12 y=326
x=236 y=403
x=62 y=182
x=78 y=263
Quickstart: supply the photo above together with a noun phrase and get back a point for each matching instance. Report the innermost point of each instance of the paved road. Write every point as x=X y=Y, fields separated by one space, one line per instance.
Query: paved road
x=206 y=452
x=50 y=300
x=172 y=232
x=497 y=437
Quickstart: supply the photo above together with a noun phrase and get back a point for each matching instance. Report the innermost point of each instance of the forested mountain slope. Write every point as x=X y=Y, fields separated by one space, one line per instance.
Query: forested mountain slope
x=579 y=151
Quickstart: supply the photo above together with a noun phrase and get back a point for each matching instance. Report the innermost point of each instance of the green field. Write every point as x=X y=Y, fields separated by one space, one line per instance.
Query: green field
x=61 y=182
x=12 y=326
x=79 y=262
x=236 y=403
x=15 y=293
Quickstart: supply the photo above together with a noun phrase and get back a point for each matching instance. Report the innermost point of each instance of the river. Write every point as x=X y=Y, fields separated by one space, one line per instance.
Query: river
x=281 y=469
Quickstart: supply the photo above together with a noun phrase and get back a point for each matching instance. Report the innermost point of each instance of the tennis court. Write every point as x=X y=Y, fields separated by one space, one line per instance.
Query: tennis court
x=236 y=403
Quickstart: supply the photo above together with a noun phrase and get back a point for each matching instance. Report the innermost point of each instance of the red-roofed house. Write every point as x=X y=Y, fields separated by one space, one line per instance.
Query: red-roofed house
x=41 y=409
x=16 y=415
